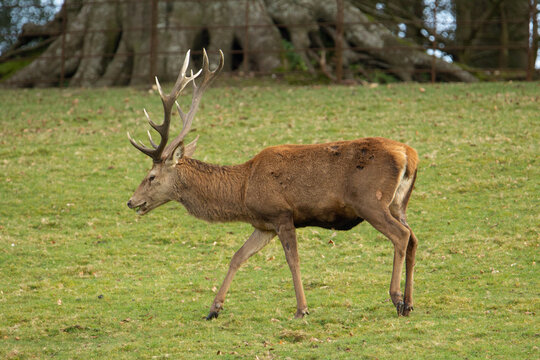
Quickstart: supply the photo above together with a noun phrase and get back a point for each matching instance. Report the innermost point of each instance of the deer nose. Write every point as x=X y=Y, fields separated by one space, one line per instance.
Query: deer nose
x=129 y=204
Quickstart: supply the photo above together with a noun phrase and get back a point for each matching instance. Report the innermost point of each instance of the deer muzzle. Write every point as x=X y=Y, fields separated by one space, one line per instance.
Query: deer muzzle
x=140 y=207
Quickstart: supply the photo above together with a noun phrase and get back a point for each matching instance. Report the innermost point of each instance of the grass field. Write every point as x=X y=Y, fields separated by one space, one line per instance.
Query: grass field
x=82 y=277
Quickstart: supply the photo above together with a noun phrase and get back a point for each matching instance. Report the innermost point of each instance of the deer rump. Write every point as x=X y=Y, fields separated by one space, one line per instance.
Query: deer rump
x=319 y=185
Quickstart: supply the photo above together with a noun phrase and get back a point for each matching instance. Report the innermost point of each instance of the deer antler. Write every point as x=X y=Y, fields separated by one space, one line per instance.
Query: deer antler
x=187 y=118
x=168 y=101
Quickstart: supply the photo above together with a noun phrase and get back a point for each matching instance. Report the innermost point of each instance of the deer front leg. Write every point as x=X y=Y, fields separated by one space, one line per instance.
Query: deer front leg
x=256 y=242
x=287 y=236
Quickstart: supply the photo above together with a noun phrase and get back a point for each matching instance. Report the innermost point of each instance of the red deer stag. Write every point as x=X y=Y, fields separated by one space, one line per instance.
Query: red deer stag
x=335 y=186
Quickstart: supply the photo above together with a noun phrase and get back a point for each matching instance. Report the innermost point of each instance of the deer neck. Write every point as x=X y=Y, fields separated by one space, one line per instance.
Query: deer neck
x=212 y=192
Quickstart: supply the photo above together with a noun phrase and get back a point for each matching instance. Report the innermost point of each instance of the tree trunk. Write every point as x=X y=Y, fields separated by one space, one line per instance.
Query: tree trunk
x=110 y=43
x=367 y=43
x=492 y=34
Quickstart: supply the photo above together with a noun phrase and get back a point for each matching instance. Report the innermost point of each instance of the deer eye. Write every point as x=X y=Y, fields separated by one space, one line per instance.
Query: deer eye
x=151 y=178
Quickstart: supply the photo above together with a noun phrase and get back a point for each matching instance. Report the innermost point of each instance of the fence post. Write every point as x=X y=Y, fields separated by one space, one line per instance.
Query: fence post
x=246 y=39
x=153 y=40
x=434 y=41
x=339 y=41
x=63 y=47
x=533 y=36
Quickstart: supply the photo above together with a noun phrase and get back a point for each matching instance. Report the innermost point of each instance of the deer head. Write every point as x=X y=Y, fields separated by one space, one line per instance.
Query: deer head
x=157 y=187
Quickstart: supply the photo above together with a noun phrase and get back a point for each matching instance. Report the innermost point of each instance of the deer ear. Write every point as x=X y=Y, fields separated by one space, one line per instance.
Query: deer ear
x=189 y=150
x=175 y=155
x=182 y=151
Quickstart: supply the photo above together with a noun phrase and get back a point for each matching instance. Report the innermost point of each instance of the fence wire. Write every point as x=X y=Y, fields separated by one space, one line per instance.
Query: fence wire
x=431 y=43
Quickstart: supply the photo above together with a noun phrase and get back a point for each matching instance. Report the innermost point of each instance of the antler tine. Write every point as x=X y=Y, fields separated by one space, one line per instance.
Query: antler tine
x=142 y=149
x=152 y=124
x=180 y=112
x=183 y=80
x=186 y=63
x=151 y=140
x=159 y=88
x=209 y=76
x=168 y=101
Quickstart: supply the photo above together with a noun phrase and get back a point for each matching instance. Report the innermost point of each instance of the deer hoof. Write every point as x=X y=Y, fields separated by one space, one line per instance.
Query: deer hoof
x=406 y=310
x=399 y=307
x=212 y=315
x=301 y=313
x=403 y=309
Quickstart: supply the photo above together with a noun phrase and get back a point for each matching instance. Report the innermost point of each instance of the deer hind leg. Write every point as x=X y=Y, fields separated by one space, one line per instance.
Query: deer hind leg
x=398 y=209
x=382 y=220
x=287 y=235
x=410 y=262
x=254 y=244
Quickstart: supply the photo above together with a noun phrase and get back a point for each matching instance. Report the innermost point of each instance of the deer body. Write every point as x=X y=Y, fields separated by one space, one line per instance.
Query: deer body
x=318 y=185
x=334 y=185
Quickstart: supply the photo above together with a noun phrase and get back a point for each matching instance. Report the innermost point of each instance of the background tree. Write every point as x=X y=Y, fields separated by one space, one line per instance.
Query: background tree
x=492 y=34
x=109 y=42
x=483 y=34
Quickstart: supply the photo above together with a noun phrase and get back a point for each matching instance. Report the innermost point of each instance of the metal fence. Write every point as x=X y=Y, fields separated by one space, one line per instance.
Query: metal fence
x=431 y=45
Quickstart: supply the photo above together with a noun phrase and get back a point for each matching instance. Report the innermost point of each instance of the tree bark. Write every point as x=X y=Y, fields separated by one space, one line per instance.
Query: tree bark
x=109 y=43
x=492 y=34
x=365 y=40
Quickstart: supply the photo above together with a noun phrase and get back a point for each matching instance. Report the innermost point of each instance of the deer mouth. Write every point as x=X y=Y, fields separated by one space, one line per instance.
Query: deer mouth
x=141 y=208
x=144 y=207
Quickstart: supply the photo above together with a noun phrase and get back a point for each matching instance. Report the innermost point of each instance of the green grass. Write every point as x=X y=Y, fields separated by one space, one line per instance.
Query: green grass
x=82 y=277
x=8 y=68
